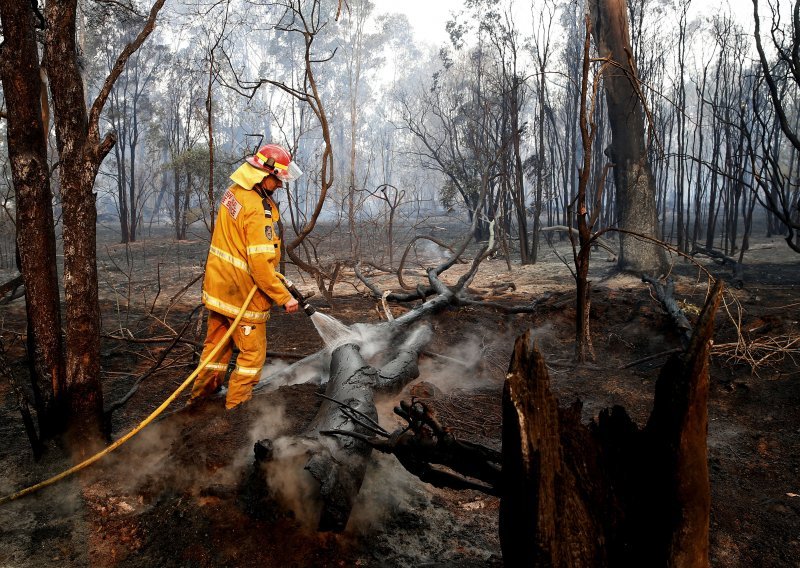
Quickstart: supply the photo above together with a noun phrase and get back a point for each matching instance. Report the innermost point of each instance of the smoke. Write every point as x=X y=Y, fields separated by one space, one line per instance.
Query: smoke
x=474 y=363
x=429 y=252
x=458 y=367
x=270 y=422
x=278 y=373
x=387 y=490
x=290 y=484
x=145 y=455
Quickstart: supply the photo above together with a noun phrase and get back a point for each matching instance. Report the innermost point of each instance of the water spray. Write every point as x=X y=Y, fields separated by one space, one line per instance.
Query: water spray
x=332 y=331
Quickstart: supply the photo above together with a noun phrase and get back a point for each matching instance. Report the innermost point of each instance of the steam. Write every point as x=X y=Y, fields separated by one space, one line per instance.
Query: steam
x=371 y=339
x=278 y=373
x=468 y=365
x=459 y=367
x=291 y=485
x=431 y=253
x=144 y=457
x=387 y=489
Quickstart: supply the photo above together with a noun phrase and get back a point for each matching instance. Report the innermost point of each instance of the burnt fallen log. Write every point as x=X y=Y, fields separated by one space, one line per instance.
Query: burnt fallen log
x=334 y=449
x=337 y=464
x=607 y=494
x=737 y=269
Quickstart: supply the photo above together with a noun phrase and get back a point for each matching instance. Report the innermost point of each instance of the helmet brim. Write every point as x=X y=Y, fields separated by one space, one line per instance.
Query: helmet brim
x=288 y=174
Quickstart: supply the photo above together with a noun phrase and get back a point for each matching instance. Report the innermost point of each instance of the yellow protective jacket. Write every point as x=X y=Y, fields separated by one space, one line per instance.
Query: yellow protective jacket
x=245 y=250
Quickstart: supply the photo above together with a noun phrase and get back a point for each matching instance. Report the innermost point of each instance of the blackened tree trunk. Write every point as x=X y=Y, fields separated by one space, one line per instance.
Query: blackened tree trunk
x=80 y=155
x=608 y=494
x=81 y=151
x=636 y=202
x=27 y=148
x=339 y=464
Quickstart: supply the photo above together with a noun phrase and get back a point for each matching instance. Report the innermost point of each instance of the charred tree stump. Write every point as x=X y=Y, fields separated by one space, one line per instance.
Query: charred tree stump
x=607 y=494
x=543 y=519
x=336 y=453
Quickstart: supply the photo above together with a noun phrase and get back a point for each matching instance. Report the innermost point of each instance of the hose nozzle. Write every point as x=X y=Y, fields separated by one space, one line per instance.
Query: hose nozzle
x=307 y=308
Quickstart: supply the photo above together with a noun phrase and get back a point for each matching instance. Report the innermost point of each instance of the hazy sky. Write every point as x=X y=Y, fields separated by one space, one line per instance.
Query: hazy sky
x=428 y=17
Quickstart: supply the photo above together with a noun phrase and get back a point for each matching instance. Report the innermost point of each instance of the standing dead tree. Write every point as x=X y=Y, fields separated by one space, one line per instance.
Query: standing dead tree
x=583 y=338
x=306 y=19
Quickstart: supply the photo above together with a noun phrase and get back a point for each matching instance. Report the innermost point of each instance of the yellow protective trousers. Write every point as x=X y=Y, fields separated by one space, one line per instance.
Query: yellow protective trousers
x=251 y=339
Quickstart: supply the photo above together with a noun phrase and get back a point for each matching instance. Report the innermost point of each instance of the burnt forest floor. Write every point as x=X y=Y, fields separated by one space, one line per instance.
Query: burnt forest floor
x=185 y=492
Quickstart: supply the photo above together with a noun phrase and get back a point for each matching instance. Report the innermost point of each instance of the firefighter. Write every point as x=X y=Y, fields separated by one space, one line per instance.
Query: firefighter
x=245 y=251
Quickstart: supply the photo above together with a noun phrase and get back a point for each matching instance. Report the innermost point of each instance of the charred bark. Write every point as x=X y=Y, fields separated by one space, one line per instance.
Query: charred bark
x=608 y=494
x=543 y=519
x=80 y=157
x=81 y=150
x=36 y=244
x=339 y=465
x=13 y=289
x=430 y=451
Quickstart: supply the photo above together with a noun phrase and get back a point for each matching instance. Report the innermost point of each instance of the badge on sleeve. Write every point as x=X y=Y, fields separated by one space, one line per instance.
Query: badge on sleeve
x=230 y=203
x=268 y=232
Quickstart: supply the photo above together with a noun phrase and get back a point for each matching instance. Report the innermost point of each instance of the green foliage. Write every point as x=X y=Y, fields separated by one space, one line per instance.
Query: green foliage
x=195 y=162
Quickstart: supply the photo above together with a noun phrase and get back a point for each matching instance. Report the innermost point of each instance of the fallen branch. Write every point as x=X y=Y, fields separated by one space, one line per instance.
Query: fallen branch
x=23 y=404
x=737 y=269
x=338 y=466
x=147 y=340
x=597 y=241
x=764 y=351
x=666 y=353
x=665 y=294
x=153 y=368
x=14 y=288
x=410 y=245
x=431 y=452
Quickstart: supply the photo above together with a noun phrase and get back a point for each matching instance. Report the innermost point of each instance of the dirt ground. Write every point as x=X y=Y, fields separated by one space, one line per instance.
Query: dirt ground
x=186 y=492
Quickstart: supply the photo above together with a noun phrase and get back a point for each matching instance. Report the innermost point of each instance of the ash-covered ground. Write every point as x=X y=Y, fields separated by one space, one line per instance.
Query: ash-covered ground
x=186 y=491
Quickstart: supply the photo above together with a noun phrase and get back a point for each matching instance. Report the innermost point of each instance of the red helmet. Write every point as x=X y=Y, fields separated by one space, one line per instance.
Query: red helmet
x=277 y=161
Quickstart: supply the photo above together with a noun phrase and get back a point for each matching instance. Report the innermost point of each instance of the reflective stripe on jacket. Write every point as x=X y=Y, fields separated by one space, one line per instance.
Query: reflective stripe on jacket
x=245 y=250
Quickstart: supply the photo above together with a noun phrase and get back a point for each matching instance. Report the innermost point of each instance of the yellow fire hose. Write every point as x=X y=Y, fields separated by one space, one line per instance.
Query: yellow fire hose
x=144 y=422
